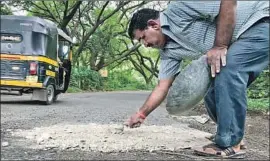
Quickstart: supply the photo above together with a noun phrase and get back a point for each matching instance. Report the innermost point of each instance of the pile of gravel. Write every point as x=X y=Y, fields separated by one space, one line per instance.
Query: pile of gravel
x=113 y=137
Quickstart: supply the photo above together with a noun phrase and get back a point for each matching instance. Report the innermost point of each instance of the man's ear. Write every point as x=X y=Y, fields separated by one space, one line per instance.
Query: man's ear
x=153 y=23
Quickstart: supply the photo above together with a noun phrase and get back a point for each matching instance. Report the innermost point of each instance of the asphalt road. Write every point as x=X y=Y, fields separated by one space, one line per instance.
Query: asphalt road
x=102 y=108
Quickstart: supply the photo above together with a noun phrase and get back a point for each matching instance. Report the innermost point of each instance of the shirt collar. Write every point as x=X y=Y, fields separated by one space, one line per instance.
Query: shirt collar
x=163 y=20
x=164 y=23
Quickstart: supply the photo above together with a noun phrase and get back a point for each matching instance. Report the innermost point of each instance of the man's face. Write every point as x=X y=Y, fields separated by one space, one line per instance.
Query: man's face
x=151 y=36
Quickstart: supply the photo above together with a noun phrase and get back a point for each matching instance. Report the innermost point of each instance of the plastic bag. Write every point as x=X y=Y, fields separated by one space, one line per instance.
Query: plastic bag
x=189 y=87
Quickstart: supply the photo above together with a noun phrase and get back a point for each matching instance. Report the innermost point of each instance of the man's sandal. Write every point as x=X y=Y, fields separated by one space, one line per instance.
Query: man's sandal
x=212 y=150
x=212 y=138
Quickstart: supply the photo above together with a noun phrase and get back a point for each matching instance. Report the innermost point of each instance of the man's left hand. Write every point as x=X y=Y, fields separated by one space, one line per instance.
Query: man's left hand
x=215 y=57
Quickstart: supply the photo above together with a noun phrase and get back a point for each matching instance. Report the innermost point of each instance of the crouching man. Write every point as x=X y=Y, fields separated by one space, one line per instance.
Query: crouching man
x=235 y=38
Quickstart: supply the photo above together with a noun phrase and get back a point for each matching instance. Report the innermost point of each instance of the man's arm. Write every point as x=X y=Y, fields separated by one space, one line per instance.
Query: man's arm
x=157 y=96
x=152 y=102
x=226 y=23
x=169 y=68
x=224 y=31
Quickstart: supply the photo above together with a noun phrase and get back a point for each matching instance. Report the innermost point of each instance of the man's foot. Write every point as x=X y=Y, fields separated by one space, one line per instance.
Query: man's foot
x=242 y=144
x=212 y=150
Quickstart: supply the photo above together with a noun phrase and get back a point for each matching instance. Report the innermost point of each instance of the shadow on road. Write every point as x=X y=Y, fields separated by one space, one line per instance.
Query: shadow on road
x=21 y=102
x=25 y=102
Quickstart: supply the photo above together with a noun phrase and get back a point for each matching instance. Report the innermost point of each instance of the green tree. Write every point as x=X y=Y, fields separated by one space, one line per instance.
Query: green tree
x=60 y=12
x=5 y=10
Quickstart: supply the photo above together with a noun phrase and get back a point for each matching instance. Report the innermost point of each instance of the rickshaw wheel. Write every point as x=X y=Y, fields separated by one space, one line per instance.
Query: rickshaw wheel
x=50 y=94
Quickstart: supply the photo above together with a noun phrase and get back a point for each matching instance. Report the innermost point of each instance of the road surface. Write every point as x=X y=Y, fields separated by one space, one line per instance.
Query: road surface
x=86 y=126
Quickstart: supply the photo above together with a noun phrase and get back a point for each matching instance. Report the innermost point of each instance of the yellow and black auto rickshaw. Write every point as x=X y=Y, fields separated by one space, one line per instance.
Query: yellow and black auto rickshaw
x=35 y=58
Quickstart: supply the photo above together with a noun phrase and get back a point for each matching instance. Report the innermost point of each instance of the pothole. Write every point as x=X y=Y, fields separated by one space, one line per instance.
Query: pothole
x=113 y=137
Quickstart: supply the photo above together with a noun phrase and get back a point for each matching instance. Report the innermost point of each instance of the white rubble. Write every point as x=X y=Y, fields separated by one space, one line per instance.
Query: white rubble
x=5 y=144
x=201 y=119
x=114 y=137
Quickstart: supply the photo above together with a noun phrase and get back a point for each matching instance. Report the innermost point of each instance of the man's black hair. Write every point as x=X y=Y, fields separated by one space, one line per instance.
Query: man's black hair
x=140 y=18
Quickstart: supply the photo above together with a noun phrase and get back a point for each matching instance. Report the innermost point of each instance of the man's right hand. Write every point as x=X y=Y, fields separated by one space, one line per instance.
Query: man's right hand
x=153 y=101
x=135 y=120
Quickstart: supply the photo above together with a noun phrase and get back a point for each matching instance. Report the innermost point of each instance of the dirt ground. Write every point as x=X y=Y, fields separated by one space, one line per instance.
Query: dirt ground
x=256 y=135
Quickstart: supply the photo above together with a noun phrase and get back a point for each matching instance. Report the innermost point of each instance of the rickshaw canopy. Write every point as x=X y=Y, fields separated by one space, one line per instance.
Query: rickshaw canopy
x=29 y=35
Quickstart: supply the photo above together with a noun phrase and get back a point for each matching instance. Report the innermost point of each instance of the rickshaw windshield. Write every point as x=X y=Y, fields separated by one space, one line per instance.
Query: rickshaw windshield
x=63 y=50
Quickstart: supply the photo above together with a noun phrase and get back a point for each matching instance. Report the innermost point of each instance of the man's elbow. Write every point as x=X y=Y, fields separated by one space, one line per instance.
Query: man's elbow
x=165 y=85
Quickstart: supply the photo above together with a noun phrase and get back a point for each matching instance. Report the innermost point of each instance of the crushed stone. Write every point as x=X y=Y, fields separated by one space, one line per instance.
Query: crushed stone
x=113 y=137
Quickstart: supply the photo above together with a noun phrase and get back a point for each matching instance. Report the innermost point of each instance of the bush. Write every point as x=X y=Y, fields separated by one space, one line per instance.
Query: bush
x=261 y=104
x=260 y=87
x=72 y=89
x=86 y=79
x=125 y=80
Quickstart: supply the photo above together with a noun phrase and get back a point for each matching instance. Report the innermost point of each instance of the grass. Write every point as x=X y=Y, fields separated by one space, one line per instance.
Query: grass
x=261 y=104
x=74 y=90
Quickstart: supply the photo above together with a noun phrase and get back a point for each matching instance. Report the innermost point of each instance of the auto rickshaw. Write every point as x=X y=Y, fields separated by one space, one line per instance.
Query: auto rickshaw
x=35 y=58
